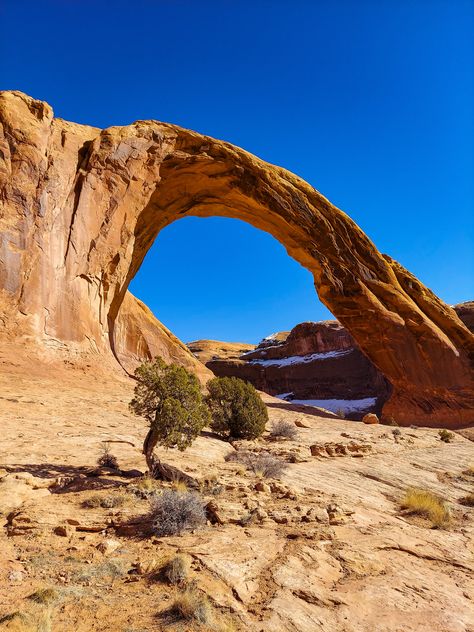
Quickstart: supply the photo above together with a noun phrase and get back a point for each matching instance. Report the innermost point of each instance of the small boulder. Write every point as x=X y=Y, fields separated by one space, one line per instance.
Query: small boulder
x=370 y=418
x=302 y=424
x=108 y=546
x=260 y=486
x=64 y=530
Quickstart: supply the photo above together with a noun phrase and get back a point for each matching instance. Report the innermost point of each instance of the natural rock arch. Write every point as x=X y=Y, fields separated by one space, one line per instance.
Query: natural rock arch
x=84 y=205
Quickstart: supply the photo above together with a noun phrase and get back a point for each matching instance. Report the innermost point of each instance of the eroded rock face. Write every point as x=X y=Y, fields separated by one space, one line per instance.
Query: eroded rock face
x=315 y=361
x=82 y=206
x=139 y=336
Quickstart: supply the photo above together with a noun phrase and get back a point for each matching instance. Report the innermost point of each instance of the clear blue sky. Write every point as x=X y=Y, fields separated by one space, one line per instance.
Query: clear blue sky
x=371 y=102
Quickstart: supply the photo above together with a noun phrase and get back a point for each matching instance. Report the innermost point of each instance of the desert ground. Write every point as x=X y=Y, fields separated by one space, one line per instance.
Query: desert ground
x=324 y=547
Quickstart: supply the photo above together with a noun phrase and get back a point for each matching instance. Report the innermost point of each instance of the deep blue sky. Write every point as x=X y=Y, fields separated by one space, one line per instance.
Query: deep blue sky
x=371 y=102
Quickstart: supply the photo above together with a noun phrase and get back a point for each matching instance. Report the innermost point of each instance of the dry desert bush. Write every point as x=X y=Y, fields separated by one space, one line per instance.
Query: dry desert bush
x=263 y=465
x=173 y=512
x=107 y=459
x=283 y=430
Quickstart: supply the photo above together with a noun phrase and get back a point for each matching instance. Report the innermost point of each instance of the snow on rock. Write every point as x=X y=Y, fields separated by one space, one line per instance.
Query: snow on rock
x=334 y=405
x=301 y=359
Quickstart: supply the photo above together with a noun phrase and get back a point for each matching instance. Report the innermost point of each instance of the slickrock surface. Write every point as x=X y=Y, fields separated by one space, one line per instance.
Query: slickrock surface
x=81 y=207
x=324 y=548
x=314 y=361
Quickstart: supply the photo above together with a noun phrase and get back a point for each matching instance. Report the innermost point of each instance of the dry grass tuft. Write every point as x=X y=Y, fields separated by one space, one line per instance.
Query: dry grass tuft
x=179 y=486
x=176 y=570
x=37 y=621
x=190 y=605
x=283 y=430
x=424 y=503
x=45 y=596
x=145 y=487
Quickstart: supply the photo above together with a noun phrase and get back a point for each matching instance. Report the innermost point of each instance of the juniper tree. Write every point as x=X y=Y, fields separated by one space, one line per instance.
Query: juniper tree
x=169 y=398
x=236 y=408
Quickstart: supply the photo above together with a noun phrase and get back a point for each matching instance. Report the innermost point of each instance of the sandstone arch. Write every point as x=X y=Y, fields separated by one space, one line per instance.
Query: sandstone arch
x=81 y=207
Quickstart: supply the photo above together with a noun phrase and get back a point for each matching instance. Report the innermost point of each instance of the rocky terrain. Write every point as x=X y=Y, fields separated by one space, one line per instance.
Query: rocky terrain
x=80 y=207
x=325 y=547
x=315 y=362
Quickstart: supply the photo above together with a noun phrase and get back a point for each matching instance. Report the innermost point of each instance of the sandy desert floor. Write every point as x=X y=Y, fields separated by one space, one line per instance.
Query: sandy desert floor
x=327 y=547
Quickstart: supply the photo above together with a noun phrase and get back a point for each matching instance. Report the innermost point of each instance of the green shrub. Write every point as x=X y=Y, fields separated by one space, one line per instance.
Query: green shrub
x=236 y=408
x=169 y=398
x=107 y=459
x=446 y=436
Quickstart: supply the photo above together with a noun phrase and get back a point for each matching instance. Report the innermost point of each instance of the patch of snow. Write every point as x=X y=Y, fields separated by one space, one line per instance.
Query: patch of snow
x=271 y=336
x=249 y=352
x=285 y=396
x=335 y=405
x=302 y=359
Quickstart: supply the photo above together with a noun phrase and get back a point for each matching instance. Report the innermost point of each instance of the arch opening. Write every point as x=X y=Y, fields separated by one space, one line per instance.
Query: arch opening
x=249 y=311
x=402 y=327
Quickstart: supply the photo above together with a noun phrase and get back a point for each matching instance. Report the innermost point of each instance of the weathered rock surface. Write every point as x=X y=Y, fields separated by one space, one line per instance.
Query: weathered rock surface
x=465 y=311
x=314 y=361
x=81 y=207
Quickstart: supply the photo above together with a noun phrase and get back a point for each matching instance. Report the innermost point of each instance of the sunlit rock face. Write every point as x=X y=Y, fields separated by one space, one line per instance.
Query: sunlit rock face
x=315 y=362
x=139 y=336
x=81 y=207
